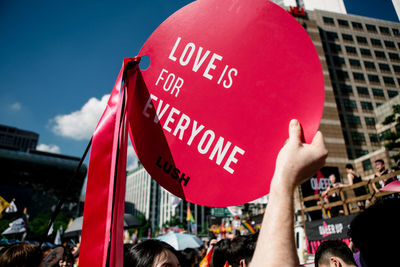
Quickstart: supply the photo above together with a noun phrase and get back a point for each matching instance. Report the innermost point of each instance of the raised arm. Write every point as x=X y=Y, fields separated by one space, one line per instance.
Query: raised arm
x=296 y=162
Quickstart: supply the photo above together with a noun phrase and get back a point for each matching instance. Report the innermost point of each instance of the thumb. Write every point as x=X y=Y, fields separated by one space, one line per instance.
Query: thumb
x=295 y=131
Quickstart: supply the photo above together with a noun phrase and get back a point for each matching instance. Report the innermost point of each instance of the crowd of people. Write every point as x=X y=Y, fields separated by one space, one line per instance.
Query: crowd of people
x=374 y=232
x=33 y=255
x=330 y=195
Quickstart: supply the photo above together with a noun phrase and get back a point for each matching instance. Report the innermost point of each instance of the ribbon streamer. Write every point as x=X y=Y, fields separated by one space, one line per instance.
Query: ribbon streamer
x=103 y=217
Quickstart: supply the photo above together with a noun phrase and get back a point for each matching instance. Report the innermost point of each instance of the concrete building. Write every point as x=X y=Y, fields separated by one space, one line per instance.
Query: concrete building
x=16 y=139
x=364 y=65
x=144 y=196
x=330 y=124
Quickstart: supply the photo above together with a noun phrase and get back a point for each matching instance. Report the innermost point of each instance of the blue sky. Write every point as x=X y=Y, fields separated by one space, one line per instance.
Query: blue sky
x=59 y=58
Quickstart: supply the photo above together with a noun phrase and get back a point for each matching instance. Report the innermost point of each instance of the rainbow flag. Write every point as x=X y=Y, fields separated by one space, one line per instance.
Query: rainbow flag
x=189 y=216
x=205 y=262
x=248 y=226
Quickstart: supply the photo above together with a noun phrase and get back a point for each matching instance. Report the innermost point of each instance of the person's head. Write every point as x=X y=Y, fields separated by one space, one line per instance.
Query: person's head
x=374 y=232
x=332 y=178
x=190 y=257
x=22 y=255
x=151 y=253
x=242 y=249
x=349 y=167
x=379 y=165
x=220 y=253
x=333 y=253
x=67 y=259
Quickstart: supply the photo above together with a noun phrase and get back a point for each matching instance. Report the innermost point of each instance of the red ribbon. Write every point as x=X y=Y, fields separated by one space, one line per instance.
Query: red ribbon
x=103 y=217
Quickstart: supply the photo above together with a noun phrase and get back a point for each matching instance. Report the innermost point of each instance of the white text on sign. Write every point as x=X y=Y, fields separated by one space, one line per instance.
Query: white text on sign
x=212 y=69
x=206 y=144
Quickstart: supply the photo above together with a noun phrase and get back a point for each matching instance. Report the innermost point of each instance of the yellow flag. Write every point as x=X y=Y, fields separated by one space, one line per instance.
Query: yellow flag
x=3 y=205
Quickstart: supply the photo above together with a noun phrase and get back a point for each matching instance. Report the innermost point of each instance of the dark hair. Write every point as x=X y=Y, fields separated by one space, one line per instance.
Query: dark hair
x=22 y=255
x=220 y=253
x=144 y=253
x=379 y=160
x=349 y=166
x=242 y=248
x=188 y=257
x=332 y=248
x=381 y=221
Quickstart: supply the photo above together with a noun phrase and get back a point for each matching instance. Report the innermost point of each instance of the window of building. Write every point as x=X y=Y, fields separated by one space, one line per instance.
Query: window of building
x=347 y=37
x=396 y=32
x=332 y=36
x=328 y=20
x=365 y=52
x=362 y=90
x=384 y=67
x=378 y=104
x=361 y=40
x=356 y=136
x=367 y=165
x=366 y=105
x=390 y=44
x=370 y=121
x=369 y=65
x=378 y=92
x=394 y=56
x=353 y=120
x=344 y=23
x=380 y=54
x=392 y=94
x=354 y=62
x=376 y=42
x=371 y=28
x=361 y=152
x=335 y=48
x=373 y=138
x=351 y=50
x=398 y=80
x=342 y=75
x=388 y=80
x=357 y=25
x=384 y=30
x=373 y=78
x=396 y=68
x=349 y=104
x=338 y=61
x=358 y=76
x=346 y=89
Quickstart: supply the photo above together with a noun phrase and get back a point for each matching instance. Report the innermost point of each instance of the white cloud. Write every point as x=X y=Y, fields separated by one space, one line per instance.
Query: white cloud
x=48 y=148
x=16 y=106
x=80 y=124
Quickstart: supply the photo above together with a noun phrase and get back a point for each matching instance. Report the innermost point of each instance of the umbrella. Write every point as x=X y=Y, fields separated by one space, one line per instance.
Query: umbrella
x=76 y=226
x=180 y=241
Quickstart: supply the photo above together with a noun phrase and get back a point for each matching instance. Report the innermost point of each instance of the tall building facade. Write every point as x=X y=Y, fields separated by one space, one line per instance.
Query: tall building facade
x=363 y=58
x=144 y=196
x=330 y=122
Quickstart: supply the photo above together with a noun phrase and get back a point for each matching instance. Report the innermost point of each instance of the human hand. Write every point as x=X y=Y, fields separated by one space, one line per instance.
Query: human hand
x=298 y=161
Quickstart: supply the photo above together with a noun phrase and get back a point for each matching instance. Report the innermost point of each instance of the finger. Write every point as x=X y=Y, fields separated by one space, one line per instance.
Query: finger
x=294 y=131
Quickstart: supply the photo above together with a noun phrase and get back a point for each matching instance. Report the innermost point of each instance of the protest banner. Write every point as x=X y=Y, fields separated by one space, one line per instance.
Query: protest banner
x=209 y=115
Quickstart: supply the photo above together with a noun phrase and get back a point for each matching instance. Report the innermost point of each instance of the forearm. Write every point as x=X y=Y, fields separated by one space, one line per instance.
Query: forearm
x=276 y=245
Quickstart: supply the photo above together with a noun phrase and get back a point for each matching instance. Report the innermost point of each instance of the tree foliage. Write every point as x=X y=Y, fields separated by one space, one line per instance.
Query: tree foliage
x=392 y=138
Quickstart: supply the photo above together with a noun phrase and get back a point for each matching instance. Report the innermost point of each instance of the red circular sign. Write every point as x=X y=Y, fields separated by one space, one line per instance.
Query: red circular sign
x=225 y=79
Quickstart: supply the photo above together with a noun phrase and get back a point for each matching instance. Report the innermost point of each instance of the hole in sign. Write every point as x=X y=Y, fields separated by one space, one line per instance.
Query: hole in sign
x=144 y=62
